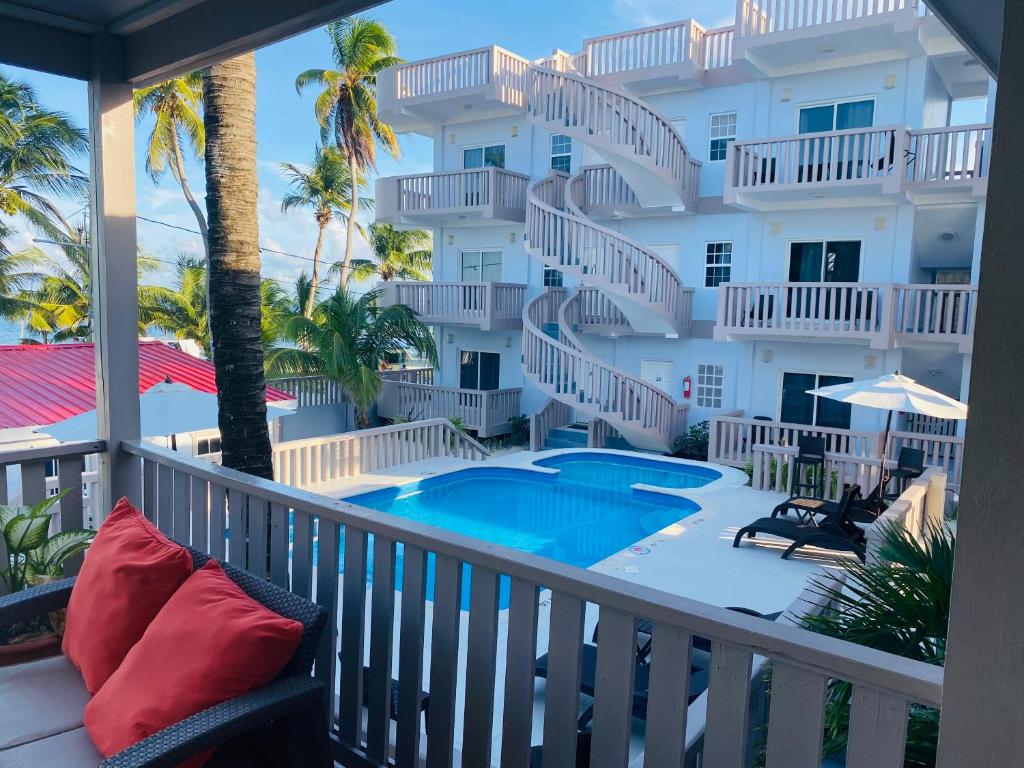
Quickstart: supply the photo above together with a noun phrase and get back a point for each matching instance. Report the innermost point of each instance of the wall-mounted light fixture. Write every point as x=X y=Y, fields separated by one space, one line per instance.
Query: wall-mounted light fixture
x=767 y=356
x=508 y=342
x=776 y=228
x=870 y=361
x=451 y=138
x=787 y=94
x=514 y=131
x=512 y=238
x=880 y=223
x=449 y=338
x=890 y=81
x=451 y=239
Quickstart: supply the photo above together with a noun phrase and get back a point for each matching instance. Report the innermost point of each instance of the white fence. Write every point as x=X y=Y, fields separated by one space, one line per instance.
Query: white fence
x=311 y=391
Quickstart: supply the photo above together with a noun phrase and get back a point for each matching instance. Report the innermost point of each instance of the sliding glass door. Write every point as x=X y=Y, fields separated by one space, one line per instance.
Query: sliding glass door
x=817 y=155
x=798 y=407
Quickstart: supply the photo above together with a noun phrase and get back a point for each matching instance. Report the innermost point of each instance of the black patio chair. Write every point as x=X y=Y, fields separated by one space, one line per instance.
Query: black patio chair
x=862 y=511
x=282 y=723
x=909 y=465
x=835 y=531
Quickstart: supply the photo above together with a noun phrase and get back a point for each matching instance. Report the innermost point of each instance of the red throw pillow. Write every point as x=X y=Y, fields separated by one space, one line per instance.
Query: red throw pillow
x=130 y=571
x=210 y=643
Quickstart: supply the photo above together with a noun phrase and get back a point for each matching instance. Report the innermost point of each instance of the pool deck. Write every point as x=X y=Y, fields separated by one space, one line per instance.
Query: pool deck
x=693 y=557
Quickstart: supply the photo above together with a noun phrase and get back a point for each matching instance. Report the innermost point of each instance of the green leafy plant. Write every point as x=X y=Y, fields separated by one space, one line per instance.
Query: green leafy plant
x=32 y=554
x=520 y=434
x=899 y=605
x=694 y=443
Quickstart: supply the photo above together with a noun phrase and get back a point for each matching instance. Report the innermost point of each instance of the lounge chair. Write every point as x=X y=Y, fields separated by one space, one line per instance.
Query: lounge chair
x=835 y=531
x=862 y=511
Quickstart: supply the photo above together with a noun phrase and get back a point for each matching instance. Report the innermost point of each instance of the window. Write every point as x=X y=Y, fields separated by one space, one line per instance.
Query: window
x=205 y=446
x=837 y=116
x=552 y=278
x=717 y=264
x=831 y=261
x=479 y=370
x=561 y=152
x=481 y=266
x=723 y=131
x=485 y=156
x=709 y=385
x=798 y=407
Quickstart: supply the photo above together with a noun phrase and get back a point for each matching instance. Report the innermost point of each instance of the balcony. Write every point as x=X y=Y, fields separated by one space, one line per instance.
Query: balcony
x=861 y=166
x=452 y=199
x=667 y=56
x=782 y=37
x=487 y=306
x=484 y=83
x=882 y=315
x=486 y=412
x=948 y=164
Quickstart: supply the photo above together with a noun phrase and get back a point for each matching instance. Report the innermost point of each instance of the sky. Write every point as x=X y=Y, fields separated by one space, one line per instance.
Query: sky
x=286 y=130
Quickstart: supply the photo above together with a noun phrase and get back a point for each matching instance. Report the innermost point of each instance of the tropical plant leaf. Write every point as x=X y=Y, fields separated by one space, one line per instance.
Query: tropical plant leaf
x=24 y=533
x=49 y=559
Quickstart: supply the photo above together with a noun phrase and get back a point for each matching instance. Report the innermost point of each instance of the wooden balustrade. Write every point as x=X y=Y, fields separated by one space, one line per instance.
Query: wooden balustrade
x=613 y=120
x=949 y=155
x=460 y=71
x=834 y=310
x=553 y=414
x=305 y=463
x=302 y=541
x=943 y=451
x=411 y=375
x=487 y=412
x=311 y=391
x=657 y=46
x=935 y=313
x=491 y=306
x=464 y=190
x=732 y=438
x=820 y=159
x=773 y=467
x=718 y=47
x=764 y=17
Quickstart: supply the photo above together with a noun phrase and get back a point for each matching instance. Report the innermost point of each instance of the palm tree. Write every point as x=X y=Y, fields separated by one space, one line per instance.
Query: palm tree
x=18 y=275
x=347 y=340
x=397 y=255
x=182 y=310
x=176 y=105
x=229 y=96
x=326 y=188
x=36 y=147
x=347 y=105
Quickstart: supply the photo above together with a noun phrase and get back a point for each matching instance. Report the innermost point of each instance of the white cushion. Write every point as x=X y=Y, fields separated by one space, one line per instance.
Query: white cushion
x=71 y=749
x=40 y=699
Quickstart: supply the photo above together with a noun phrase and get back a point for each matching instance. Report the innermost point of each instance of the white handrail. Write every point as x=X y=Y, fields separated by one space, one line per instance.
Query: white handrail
x=463 y=189
x=458 y=302
x=950 y=155
x=763 y=17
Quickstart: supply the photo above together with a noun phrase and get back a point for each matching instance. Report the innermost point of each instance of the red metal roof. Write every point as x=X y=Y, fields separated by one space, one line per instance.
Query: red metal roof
x=46 y=383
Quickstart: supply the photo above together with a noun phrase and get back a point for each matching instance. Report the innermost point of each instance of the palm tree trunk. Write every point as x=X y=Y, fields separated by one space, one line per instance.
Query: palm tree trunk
x=179 y=166
x=314 y=280
x=351 y=229
x=229 y=90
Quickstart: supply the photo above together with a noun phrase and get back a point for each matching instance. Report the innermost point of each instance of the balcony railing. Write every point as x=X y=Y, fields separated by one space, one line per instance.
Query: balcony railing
x=486 y=412
x=311 y=391
x=883 y=314
x=490 y=306
x=490 y=66
x=938 y=157
x=765 y=17
x=449 y=197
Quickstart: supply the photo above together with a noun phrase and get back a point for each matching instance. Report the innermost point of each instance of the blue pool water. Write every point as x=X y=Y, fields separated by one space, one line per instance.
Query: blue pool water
x=581 y=515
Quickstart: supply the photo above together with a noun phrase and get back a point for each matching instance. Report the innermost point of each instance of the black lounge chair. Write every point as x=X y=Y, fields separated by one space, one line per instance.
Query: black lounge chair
x=909 y=465
x=835 y=531
x=862 y=511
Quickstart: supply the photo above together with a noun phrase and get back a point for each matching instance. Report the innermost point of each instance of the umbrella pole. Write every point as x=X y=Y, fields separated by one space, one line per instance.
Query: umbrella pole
x=885 y=451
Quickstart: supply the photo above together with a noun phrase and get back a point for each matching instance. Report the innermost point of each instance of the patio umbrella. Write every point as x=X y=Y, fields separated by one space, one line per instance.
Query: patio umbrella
x=894 y=393
x=167 y=408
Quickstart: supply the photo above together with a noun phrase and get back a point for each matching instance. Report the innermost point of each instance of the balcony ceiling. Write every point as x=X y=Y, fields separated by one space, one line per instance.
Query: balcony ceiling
x=161 y=38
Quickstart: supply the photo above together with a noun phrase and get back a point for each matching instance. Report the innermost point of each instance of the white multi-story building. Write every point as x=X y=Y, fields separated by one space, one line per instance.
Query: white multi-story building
x=679 y=222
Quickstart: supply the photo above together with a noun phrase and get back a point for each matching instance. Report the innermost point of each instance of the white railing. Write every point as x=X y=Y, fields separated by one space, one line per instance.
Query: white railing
x=645 y=415
x=834 y=310
x=928 y=425
x=411 y=375
x=949 y=155
x=362 y=629
x=570 y=242
x=943 y=451
x=29 y=475
x=487 y=412
x=818 y=159
x=600 y=186
x=935 y=313
x=311 y=391
x=305 y=463
x=490 y=305
x=612 y=120
x=732 y=438
x=657 y=46
x=591 y=310
x=763 y=17
x=491 y=66
x=718 y=47
x=480 y=188
x=773 y=468
x=554 y=414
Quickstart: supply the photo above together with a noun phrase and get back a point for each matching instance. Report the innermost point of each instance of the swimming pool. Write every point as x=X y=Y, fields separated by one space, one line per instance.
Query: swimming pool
x=581 y=514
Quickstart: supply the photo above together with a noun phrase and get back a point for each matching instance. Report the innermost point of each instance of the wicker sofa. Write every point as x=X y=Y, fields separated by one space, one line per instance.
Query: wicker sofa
x=281 y=724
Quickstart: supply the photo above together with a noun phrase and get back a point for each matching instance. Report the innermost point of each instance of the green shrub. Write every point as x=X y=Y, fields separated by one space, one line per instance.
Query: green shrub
x=694 y=443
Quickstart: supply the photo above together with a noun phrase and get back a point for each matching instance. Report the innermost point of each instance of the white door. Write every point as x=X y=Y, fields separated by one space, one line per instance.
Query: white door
x=658 y=373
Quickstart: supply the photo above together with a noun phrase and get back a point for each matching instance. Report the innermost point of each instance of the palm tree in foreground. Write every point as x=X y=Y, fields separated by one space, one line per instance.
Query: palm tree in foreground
x=347 y=341
x=347 y=105
x=229 y=95
x=36 y=150
x=397 y=255
x=326 y=188
x=176 y=105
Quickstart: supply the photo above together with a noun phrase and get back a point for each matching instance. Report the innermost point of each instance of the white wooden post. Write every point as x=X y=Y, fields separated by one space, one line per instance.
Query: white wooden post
x=115 y=303
x=982 y=718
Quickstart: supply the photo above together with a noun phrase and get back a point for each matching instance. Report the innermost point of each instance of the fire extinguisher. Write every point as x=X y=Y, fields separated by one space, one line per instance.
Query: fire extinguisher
x=686 y=387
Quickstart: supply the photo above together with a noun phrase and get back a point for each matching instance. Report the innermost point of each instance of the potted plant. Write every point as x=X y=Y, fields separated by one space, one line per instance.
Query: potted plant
x=35 y=557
